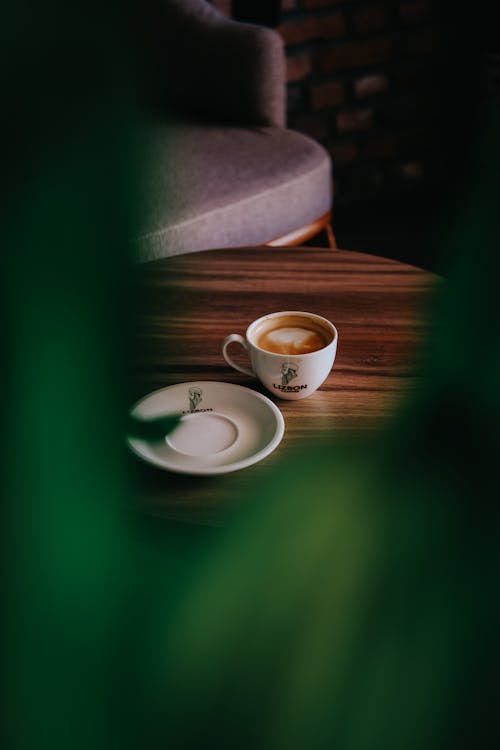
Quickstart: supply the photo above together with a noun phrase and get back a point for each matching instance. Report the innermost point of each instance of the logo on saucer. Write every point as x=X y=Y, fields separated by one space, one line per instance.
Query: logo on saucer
x=195 y=396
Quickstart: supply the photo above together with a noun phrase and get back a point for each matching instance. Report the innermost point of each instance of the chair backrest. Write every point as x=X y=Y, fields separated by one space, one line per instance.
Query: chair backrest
x=206 y=65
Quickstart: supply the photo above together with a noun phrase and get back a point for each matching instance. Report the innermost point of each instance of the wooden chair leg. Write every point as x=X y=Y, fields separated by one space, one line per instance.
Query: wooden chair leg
x=332 y=242
x=302 y=234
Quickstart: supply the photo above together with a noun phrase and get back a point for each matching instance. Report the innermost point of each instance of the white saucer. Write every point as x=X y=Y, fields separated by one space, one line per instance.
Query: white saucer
x=225 y=427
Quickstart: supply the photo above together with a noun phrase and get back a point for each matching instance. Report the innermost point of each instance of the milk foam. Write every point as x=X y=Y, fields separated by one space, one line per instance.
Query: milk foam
x=292 y=339
x=295 y=336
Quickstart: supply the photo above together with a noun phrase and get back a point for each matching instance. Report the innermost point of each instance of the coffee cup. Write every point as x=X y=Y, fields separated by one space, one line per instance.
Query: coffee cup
x=291 y=352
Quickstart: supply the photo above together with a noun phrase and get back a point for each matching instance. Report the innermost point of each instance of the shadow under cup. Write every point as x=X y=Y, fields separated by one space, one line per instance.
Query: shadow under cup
x=291 y=352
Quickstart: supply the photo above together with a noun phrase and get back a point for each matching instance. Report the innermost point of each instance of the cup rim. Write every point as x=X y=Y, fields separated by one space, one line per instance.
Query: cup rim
x=299 y=313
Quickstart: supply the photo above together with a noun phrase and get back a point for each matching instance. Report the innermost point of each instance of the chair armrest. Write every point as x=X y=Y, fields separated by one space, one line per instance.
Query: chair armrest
x=221 y=69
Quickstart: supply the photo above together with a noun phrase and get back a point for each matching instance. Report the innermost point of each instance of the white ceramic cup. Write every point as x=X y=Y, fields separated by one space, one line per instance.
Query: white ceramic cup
x=289 y=376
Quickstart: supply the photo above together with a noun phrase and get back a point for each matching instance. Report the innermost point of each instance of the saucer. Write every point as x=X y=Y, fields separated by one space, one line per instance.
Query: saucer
x=224 y=428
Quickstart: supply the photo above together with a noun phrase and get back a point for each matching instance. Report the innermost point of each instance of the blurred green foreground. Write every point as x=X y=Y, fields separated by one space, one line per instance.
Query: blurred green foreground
x=352 y=604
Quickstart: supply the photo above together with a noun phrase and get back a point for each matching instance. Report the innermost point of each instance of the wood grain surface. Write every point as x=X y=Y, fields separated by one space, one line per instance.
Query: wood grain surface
x=186 y=305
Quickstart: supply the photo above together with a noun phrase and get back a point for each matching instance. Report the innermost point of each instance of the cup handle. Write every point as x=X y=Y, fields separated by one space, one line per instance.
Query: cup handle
x=240 y=340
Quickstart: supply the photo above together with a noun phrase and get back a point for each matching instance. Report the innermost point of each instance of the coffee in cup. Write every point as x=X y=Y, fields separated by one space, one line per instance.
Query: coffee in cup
x=291 y=334
x=291 y=352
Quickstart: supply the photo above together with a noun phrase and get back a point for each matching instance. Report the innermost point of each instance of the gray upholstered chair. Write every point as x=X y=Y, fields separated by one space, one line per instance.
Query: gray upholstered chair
x=223 y=170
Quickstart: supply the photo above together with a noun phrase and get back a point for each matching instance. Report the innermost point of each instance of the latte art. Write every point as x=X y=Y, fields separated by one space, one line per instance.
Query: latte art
x=291 y=336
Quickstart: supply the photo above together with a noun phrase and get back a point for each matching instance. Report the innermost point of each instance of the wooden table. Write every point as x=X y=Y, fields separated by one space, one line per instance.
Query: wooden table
x=187 y=304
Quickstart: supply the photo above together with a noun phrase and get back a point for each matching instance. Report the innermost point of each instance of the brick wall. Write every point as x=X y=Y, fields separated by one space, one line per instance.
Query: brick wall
x=367 y=78
x=361 y=79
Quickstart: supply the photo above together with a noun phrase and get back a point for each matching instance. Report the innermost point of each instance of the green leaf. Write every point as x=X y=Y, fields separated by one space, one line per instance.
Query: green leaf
x=152 y=429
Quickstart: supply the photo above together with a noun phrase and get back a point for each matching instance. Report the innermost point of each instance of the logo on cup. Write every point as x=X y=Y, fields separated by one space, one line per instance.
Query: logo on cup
x=289 y=371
